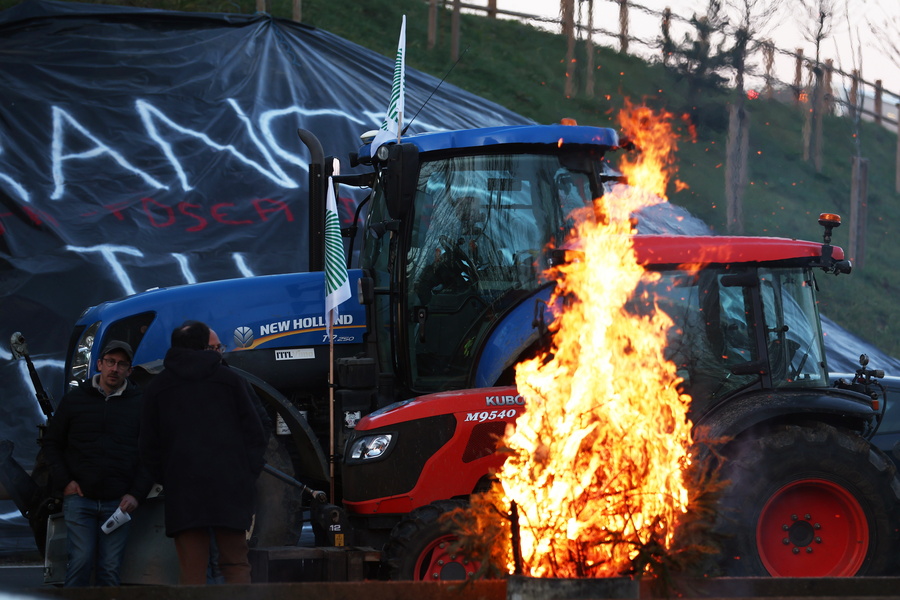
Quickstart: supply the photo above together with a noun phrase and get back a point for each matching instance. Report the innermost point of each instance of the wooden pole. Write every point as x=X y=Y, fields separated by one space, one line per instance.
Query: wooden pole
x=454 y=31
x=858 y=205
x=432 y=24
x=736 y=151
x=569 y=31
x=666 y=28
x=589 y=49
x=897 y=173
x=297 y=10
x=854 y=93
x=818 y=112
x=879 y=93
x=261 y=6
x=805 y=102
x=623 y=26
x=492 y=9
x=798 y=76
x=769 y=61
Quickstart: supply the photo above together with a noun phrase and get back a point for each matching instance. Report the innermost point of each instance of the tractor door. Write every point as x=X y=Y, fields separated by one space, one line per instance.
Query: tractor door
x=477 y=247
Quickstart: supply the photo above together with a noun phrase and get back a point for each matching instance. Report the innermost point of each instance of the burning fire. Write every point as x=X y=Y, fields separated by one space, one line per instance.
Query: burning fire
x=596 y=464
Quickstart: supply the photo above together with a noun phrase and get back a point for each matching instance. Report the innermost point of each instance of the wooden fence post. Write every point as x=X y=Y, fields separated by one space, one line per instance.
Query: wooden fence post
x=818 y=118
x=432 y=24
x=569 y=32
x=829 y=81
x=854 y=92
x=897 y=175
x=798 y=76
x=879 y=92
x=623 y=26
x=666 y=27
x=805 y=102
x=589 y=50
x=736 y=151
x=858 y=205
x=261 y=5
x=454 y=31
x=492 y=9
x=769 y=61
x=297 y=10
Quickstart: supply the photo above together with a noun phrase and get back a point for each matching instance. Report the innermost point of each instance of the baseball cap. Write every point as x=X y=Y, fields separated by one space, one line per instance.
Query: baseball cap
x=118 y=345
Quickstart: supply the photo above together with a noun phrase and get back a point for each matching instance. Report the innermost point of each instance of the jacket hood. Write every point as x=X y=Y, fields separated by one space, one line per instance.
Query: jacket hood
x=192 y=364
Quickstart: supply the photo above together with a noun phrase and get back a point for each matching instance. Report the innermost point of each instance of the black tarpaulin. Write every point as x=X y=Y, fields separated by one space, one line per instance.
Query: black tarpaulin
x=143 y=148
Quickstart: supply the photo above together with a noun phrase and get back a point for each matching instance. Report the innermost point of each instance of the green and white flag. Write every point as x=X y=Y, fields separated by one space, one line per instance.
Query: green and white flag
x=392 y=125
x=337 y=283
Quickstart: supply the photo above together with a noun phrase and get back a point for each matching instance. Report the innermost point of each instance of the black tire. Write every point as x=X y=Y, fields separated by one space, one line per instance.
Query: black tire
x=809 y=501
x=419 y=548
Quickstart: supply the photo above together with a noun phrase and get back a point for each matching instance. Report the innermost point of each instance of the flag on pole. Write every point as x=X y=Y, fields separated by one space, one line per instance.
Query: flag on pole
x=392 y=126
x=337 y=283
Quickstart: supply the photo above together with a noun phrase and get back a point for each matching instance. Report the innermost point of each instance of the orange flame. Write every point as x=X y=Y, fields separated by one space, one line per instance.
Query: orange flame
x=596 y=464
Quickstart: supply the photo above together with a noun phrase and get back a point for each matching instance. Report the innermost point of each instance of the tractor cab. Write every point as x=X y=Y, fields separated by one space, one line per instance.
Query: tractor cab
x=469 y=239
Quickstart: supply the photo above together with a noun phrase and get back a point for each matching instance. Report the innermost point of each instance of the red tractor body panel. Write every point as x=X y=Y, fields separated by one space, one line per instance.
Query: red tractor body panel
x=481 y=418
x=702 y=250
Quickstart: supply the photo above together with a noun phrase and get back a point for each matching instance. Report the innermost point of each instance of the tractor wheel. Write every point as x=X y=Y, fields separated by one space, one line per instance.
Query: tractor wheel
x=809 y=501
x=421 y=549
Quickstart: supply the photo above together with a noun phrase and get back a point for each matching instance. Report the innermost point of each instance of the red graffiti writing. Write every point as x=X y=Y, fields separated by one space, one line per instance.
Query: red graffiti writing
x=227 y=213
x=36 y=218
x=188 y=216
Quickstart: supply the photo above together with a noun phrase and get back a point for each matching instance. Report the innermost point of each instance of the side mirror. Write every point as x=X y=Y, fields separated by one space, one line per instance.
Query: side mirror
x=399 y=167
x=365 y=290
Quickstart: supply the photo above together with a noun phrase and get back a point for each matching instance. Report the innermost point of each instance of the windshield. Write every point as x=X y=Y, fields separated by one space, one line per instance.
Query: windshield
x=714 y=341
x=793 y=330
x=480 y=228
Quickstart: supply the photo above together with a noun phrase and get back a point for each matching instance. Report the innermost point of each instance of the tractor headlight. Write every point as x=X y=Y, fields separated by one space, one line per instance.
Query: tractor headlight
x=370 y=447
x=81 y=357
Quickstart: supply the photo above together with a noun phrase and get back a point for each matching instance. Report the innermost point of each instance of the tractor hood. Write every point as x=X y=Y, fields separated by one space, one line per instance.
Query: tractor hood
x=268 y=312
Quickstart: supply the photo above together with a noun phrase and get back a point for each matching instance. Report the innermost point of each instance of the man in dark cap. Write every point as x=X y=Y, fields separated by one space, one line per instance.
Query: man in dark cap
x=202 y=439
x=91 y=447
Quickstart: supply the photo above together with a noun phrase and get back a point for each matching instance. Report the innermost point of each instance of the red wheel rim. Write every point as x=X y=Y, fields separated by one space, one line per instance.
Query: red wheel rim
x=439 y=562
x=812 y=528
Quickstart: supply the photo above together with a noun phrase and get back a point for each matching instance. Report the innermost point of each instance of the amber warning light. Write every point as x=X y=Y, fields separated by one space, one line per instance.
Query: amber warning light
x=829 y=221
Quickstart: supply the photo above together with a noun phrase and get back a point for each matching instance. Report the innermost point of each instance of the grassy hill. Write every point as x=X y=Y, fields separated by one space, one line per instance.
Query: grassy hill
x=524 y=68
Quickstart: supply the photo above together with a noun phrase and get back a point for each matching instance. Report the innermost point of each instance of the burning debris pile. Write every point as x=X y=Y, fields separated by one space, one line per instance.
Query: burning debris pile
x=597 y=466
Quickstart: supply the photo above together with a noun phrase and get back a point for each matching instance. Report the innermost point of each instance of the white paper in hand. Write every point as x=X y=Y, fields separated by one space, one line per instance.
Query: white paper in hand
x=117 y=519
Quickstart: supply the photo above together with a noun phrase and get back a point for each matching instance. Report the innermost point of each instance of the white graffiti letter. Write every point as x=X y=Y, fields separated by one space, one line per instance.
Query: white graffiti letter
x=61 y=117
x=108 y=252
x=150 y=115
x=18 y=187
x=185 y=267
x=265 y=125
x=241 y=264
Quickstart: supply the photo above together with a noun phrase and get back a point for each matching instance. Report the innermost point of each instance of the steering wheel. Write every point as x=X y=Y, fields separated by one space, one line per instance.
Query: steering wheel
x=459 y=261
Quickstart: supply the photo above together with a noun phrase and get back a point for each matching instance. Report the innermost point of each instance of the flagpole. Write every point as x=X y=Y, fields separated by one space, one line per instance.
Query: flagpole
x=337 y=290
x=331 y=453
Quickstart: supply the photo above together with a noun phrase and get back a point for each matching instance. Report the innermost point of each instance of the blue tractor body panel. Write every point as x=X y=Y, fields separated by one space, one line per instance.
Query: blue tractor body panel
x=267 y=312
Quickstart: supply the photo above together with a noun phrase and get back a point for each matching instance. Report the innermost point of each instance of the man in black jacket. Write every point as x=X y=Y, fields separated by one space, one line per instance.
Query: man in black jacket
x=91 y=447
x=202 y=439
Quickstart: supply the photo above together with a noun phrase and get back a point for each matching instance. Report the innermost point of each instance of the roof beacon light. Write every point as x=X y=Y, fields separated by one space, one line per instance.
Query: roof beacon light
x=568 y=121
x=829 y=221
